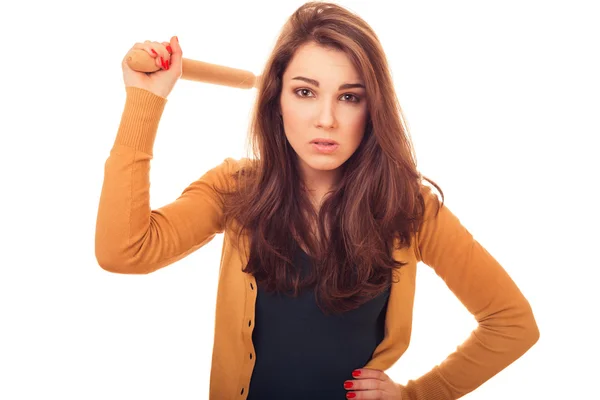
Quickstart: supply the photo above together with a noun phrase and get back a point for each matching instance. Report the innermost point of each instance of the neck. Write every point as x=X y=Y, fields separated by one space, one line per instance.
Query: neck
x=318 y=182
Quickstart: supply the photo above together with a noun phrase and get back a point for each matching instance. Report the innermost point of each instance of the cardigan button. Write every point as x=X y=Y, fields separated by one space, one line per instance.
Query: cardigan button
x=251 y=286
x=249 y=322
x=251 y=356
x=242 y=391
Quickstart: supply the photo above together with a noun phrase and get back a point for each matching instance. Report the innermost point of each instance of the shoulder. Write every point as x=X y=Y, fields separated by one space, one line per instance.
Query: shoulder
x=232 y=166
x=228 y=173
x=432 y=202
x=235 y=168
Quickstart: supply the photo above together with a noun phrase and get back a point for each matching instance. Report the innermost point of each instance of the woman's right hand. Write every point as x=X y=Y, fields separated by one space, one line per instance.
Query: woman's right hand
x=162 y=81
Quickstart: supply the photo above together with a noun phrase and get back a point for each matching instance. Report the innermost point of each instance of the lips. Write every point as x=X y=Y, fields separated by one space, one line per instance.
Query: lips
x=324 y=141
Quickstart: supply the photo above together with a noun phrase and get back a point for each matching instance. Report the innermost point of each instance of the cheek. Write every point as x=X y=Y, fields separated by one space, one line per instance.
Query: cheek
x=295 y=117
x=296 y=125
x=356 y=127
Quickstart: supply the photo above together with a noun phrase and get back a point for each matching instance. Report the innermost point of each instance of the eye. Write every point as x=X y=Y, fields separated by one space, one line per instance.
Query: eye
x=301 y=91
x=356 y=99
x=347 y=97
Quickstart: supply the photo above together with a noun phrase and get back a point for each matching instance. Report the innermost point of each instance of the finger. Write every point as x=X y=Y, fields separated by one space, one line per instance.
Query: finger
x=369 y=373
x=156 y=50
x=148 y=48
x=177 y=54
x=367 y=394
x=168 y=47
x=364 y=384
x=163 y=56
x=168 y=50
x=165 y=52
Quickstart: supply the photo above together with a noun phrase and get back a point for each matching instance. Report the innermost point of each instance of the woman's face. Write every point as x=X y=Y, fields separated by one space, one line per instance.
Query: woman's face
x=322 y=97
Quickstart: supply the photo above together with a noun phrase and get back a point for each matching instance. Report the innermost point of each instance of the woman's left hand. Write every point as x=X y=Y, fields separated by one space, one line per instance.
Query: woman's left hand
x=372 y=384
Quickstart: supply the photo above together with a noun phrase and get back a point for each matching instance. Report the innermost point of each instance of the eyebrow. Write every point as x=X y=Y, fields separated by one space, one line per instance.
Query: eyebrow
x=342 y=87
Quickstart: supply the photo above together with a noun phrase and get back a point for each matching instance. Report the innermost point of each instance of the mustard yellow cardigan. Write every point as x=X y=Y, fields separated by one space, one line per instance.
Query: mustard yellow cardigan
x=133 y=239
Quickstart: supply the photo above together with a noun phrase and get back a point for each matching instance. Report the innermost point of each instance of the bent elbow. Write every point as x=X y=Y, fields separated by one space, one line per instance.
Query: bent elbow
x=110 y=264
x=532 y=332
x=528 y=333
x=119 y=265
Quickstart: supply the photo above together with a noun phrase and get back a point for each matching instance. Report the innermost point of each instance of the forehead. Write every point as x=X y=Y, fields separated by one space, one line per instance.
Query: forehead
x=326 y=65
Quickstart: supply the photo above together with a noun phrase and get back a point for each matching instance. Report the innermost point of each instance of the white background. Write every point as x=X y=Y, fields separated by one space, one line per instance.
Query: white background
x=502 y=99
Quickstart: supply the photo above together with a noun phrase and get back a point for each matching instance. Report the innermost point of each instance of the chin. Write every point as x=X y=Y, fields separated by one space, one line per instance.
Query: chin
x=324 y=162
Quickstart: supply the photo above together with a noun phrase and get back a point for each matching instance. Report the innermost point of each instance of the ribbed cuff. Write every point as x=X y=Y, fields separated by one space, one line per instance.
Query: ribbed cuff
x=404 y=394
x=430 y=386
x=140 y=119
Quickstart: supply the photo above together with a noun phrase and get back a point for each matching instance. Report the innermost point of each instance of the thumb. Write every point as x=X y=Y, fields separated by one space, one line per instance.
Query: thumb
x=177 y=54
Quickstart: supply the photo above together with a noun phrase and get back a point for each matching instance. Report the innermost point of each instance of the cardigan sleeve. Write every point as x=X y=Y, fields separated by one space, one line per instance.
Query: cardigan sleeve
x=506 y=325
x=130 y=237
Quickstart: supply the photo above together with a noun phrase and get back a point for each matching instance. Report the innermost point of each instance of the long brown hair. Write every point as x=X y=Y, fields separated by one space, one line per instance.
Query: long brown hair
x=378 y=198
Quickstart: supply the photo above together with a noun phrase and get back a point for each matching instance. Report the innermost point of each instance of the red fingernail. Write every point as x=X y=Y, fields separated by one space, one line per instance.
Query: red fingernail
x=167 y=64
x=356 y=373
x=350 y=395
x=169 y=49
x=154 y=52
x=348 y=385
x=162 y=62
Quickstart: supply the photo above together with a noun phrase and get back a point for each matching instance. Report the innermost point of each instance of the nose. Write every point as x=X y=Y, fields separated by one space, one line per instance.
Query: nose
x=326 y=118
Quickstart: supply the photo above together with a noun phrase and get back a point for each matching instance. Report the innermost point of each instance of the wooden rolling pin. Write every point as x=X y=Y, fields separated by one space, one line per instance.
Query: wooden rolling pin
x=199 y=71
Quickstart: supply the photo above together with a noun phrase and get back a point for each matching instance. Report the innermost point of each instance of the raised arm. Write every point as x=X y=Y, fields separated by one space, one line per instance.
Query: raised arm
x=132 y=238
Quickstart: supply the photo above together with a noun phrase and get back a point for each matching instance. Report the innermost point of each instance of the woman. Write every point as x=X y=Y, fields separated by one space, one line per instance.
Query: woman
x=323 y=228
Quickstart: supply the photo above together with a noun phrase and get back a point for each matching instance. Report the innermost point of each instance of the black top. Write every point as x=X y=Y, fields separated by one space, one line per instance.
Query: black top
x=302 y=353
